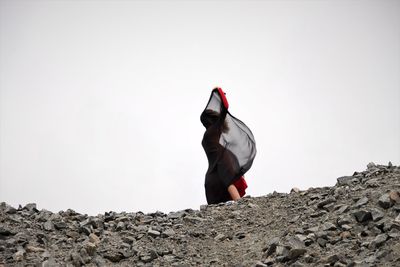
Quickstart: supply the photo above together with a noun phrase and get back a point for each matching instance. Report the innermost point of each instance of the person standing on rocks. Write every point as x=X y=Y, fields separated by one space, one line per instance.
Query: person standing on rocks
x=230 y=148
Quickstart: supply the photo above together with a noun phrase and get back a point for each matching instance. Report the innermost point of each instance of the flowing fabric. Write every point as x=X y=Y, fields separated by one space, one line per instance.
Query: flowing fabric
x=230 y=148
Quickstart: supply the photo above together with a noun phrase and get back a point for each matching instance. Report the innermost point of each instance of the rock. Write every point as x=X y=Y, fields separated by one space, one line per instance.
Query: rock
x=87 y=230
x=220 y=237
x=90 y=248
x=346 y=180
x=176 y=215
x=76 y=259
x=376 y=214
x=322 y=241
x=193 y=219
x=260 y=264
x=10 y=210
x=30 y=207
x=362 y=215
x=114 y=256
x=48 y=226
x=294 y=219
x=271 y=246
x=85 y=256
x=153 y=233
x=378 y=241
x=168 y=233
x=397 y=219
x=394 y=197
x=32 y=249
x=328 y=226
x=332 y=259
x=344 y=219
x=326 y=202
x=343 y=209
x=345 y=235
x=385 y=201
x=60 y=225
x=371 y=165
x=294 y=253
x=5 y=232
x=281 y=251
x=19 y=255
x=148 y=256
x=361 y=202
x=295 y=190
x=94 y=239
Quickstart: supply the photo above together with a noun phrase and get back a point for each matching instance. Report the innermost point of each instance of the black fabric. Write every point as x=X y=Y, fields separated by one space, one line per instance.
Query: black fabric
x=230 y=148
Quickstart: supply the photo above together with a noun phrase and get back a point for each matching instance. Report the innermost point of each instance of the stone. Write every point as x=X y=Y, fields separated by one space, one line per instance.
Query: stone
x=19 y=255
x=294 y=253
x=148 y=256
x=10 y=210
x=378 y=241
x=344 y=219
x=394 y=196
x=397 y=219
x=281 y=251
x=4 y=232
x=322 y=241
x=76 y=259
x=376 y=214
x=295 y=190
x=362 y=215
x=30 y=207
x=220 y=237
x=343 y=209
x=48 y=226
x=33 y=249
x=371 y=165
x=153 y=233
x=87 y=230
x=345 y=234
x=346 y=180
x=260 y=264
x=90 y=248
x=361 y=202
x=168 y=233
x=60 y=225
x=385 y=201
x=326 y=202
x=114 y=256
x=332 y=259
x=328 y=226
x=271 y=246
x=94 y=239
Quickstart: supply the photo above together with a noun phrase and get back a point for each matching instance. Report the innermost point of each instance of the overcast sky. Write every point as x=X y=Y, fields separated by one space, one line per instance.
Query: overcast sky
x=100 y=100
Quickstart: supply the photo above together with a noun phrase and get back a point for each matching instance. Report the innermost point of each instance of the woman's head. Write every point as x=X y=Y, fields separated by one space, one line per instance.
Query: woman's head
x=209 y=117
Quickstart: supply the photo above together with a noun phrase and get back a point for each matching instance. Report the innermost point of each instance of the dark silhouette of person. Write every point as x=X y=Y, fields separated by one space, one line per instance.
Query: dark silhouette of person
x=224 y=136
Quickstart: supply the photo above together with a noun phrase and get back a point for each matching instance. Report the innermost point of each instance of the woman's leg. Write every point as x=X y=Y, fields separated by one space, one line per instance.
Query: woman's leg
x=233 y=192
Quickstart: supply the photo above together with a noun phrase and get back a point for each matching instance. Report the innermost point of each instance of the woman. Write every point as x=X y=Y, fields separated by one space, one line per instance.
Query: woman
x=230 y=148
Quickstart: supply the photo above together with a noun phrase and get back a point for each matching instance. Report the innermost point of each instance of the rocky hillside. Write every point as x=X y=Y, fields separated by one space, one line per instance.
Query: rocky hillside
x=354 y=223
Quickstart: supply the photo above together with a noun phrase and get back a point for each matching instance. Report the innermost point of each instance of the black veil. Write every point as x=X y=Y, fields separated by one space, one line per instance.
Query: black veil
x=236 y=138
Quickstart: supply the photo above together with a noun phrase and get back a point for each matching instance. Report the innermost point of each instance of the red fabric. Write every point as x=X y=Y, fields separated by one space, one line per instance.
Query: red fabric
x=241 y=186
x=223 y=97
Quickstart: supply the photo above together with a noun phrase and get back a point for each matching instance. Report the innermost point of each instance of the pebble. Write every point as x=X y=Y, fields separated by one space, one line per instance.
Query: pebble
x=153 y=233
x=385 y=201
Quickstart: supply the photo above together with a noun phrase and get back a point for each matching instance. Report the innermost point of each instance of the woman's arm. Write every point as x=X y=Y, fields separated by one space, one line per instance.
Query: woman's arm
x=233 y=192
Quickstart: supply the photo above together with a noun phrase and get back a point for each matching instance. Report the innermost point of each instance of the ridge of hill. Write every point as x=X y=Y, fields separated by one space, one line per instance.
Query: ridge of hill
x=354 y=223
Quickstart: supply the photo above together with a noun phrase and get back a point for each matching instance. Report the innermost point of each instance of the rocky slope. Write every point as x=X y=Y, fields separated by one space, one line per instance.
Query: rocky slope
x=354 y=223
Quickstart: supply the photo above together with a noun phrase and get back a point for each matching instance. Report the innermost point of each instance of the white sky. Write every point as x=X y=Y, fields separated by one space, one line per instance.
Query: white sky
x=100 y=100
